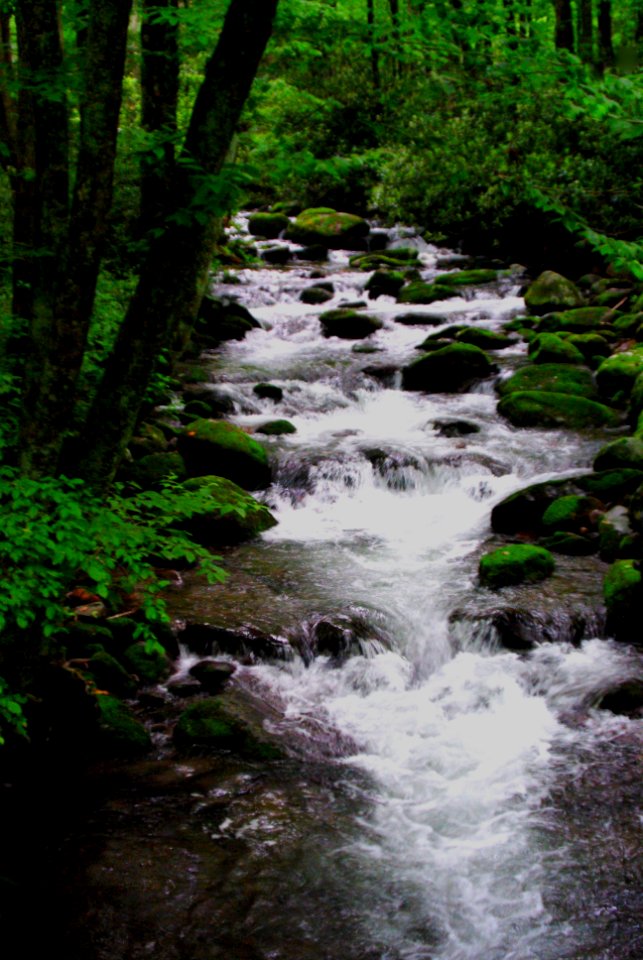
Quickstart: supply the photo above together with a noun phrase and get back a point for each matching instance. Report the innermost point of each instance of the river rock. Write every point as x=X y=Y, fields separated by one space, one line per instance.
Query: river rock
x=450 y=369
x=221 y=319
x=548 y=348
x=384 y=283
x=212 y=725
x=215 y=447
x=339 y=637
x=276 y=428
x=348 y=324
x=515 y=563
x=151 y=666
x=150 y=472
x=455 y=428
x=579 y=320
x=614 y=531
x=268 y=391
x=466 y=278
x=625 y=452
x=592 y=346
x=246 y=644
x=624 y=698
x=232 y=516
x=267 y=225
x=617 y=375
x=485 y=339
x=277 y=256
x=316 y=294
x=120 y=733
x=420 y=292
x=421 y=319
x=572 y=513
x=531 y=408
x=570 y=544
x=328 y=228
x=213 y=675
x=623 y=593
x=551 y=291
x=552 y=378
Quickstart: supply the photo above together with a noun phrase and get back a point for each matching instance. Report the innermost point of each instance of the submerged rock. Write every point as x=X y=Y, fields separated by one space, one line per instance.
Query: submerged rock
x=348 y=324
x=450 y=369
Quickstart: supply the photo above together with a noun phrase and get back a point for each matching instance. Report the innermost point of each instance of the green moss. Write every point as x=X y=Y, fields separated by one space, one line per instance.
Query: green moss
x=625 y=452
x=485 y=339
x=150 y=666
x=418 y=292
x=531 y=408
x=234 y=515
x=551 y=291
x=548 y=348
x=623 y=593
x=150 y=471
x=387 y=258
x=463 y=278
x=447 y=370
x=109 y=674
x=120 y=733
x=268 y=225
x=323 y=225
x=570 y=544
x=515 y=563
x=579 y=320
x=384 y=283
x=553 y=378
x=348 y=324
x=592 y=346
x=617 y=375
x=216 y=447
x=209 y=724
x=275 y=428
x=570 y=513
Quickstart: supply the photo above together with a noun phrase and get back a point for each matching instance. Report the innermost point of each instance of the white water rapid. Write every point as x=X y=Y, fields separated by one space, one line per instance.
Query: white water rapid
x=483 y=789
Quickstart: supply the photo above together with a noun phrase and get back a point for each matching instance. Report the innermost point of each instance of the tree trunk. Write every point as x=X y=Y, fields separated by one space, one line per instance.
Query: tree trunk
x=70 y=242
x=175 y=273
x=564 y=31
x=605 y=44
x=375 y=61
x=585 y=30
x=159 y=104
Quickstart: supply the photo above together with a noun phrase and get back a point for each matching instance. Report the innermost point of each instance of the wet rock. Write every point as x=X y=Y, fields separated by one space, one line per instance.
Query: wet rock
x=218 y=403
x=420 y=292
x=215 y=447
x=485 y=339
x=268 y=391
x=519 y=629
x=221 y=319
x=109 y=674
x=455 y=428
x=449 y=370
x=592 y=346
x=213 y=724
x=623 y=698
x=570 y=544
x=551 y=291
x=617 y=375
x=316 y=294
x=515 y=563
x=421 y=319
x=613 y=527
x=277 y=256
x=150 y=472
x=348 y=325
x=120 y=733
x=243 y=644
x=267 y=225
x=579 y=320
x=276 y=428
x=384 y=283
x=328 y=228
x=150 y=666
x=625 y=452
x=213 y=675
x=572 y=513
x=530 y=408
x=339 y=637
x=548 y=348
x=313 y=253
x=465 y=278
x=623 y=593
x=230 y=515
x=550 y=377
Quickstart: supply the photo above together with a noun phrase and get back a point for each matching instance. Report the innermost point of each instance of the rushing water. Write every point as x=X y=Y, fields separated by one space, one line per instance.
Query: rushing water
x=450 y=799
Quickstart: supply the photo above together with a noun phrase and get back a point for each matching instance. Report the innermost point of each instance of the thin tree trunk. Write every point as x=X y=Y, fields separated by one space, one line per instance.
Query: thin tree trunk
x=585 y=30
x=375 y=60
x=564 y=30
x=175 y=273
x=159 y=105
x=605 y=44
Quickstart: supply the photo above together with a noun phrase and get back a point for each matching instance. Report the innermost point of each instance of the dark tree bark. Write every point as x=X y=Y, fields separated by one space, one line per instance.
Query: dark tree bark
x=159 y=105
x=70 y=241
x=564 y=30
x=605 y=43
x=375 y=60
x=585 y=30
x=174 y=275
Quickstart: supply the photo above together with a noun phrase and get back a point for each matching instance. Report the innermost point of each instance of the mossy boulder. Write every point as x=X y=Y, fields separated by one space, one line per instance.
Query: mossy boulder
x=617 y=375
x=466 y=278
x=233 y=515
x=421 y=319
x=329 y=228
x=348 y=324
x=570 y=544
x=450 y=369
x=531 y=408
x=551 y=291
x=552 y=378
x=572 y=513
x=149 y=472
x=579 y=320
x=485 y=339
x=109 y=674
x=276 y=428
x=221 y=319
x=211 y=725
x=613 y=528
x=624 y=452
x=400 y=257
x=592 y=346
x=120 y=733
x=384 y=283
x=314 y=295
x=515 y=563
x=151 y=665
x=418 y=292
x=636 y=401
x=623 y=594
x=268 y=225
x=268 y=391
x=548 y=348
x=219 y=448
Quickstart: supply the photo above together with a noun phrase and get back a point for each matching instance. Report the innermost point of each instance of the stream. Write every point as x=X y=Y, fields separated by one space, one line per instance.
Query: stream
x=443 y=797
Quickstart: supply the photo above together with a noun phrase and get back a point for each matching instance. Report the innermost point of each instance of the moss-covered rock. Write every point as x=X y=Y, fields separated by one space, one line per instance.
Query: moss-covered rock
x=570 y=544
x=268 y=225
x=515 y=563
x=466 y=278
x=120 y=733
x=418 y=292
x=275 y=428
x=218 y=448
x=592 y=346
x=552 y=378
x=400 y=257
x=572 y=513
x=548 y=348
x=485 y=339
x=623 y=593
x=221 y=319
x=348 y=324
x=613 y=528
x=314 y=295
x=150 y=472
x=384 y=283
x=551 y=291
x=233 y=516
x=421 y=319
x=531 y=408
x=579 y=320
x=327 y=227
x=636 y=401
x=448 y=370
x=109 y=674
x=625 y=452
x=209 y=724
x=617 y=375
x=151 y=666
